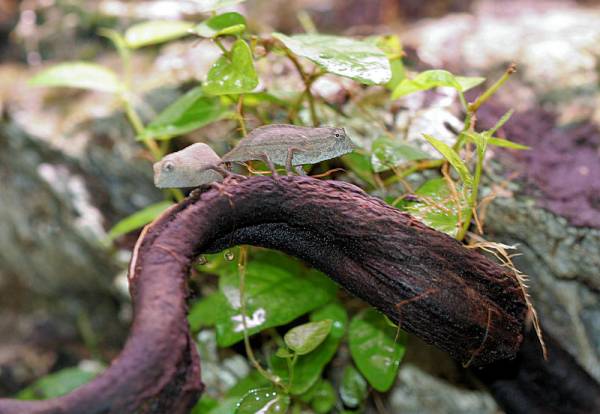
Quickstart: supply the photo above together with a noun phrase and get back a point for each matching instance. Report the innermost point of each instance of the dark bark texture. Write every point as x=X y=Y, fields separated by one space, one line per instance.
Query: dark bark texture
x=452 y=297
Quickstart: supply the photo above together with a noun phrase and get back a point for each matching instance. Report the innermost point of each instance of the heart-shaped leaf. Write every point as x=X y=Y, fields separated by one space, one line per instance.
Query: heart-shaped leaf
x=223 y=24
x=309 y=367
x=354 y=387
x=432 y=79
x=264 y=401
x=388 y=153
x=156 y=31
x=233 y=74
x=304 y=338
x=376 y=348
x=343 y=56
x=82 y=75
x=436 y=207
x=192 y=111
x=276 y=295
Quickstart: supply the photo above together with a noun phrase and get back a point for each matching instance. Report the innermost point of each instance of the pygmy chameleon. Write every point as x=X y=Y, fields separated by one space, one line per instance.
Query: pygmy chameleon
x=290 y=145
x=192 y=166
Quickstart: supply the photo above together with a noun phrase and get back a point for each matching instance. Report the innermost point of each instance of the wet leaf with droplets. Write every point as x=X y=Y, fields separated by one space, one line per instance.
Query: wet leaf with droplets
x=233 y=74
x=376 y=348
x=354 y=387
x=276 y=294
x=343 y=56
x=263 y=401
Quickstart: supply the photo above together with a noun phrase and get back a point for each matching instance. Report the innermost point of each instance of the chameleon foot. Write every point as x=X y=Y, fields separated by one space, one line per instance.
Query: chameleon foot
x=268 y=161
x=288 y=160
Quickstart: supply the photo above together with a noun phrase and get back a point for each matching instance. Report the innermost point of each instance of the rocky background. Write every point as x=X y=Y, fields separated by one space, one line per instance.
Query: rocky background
x=70 y=168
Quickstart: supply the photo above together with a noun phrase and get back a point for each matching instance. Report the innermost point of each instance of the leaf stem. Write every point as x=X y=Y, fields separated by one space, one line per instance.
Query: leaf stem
x=474 y=106
x=240 y=114
x=223 y=49
x=308 y=80
x=242 y=262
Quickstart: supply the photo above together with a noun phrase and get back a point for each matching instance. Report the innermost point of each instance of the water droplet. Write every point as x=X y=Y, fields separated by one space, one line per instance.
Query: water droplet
x=229 y=255
x=201 y=260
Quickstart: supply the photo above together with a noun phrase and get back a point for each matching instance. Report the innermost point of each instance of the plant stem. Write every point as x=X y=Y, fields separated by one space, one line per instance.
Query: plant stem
x=291 y=365
x=223 y=49
x=474 y=106
x=473 y=199
x=419 y=166
x=308 y=80
x=240 y=115
x=152 y=146
x=242 y=261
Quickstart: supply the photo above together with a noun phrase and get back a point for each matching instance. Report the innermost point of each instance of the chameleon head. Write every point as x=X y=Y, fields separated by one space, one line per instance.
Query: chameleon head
x=341 y=143
x=166 y=172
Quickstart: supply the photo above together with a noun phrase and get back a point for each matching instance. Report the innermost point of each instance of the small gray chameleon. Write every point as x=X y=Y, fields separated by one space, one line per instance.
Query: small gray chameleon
x=291 y=145
x=192 y=166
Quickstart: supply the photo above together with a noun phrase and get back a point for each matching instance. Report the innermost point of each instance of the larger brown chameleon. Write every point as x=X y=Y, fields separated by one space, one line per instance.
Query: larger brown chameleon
x=291 y=145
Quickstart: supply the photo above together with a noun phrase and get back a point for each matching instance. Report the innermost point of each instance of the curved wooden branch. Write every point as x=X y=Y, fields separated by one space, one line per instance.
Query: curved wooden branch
x=432 y=285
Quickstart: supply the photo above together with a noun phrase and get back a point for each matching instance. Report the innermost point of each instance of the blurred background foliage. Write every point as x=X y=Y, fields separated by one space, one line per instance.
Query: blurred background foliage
x=76 y=179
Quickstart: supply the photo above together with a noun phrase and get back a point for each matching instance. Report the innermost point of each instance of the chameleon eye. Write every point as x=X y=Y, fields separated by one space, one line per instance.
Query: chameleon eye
x=169 y=166
x=337 y=135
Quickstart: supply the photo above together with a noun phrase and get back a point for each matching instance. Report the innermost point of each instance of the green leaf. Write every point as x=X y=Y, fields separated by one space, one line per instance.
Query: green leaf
x=117 y=40
x=375 y=349
x=82 y=75
x=156 y=31
x=204 y=6
x=283 y=353
x=223 y=24
x=437 y=210
x=233 y=76
x=359 y=163
x=274 y=295
x=58 y=383
x=392 y=47
x=192 y=111
x=503 y=120
x=467 y=83
x=309 y=367
x=433 y=79
x=303 y=339
x=500 y=142
x=452 y=157
x=264 y=401
x=323 y=398
x=251 y=381
x=480 y=140
x=353 y=390
x=205 y=312
x=388 y=153
x=138 y=219
x=354 y=59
